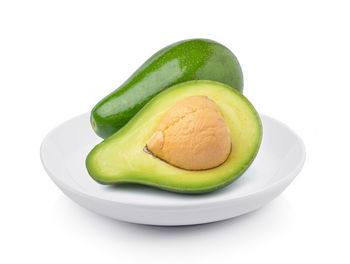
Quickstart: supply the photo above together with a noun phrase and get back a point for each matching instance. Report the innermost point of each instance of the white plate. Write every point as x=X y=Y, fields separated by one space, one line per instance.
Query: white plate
x=63 y=151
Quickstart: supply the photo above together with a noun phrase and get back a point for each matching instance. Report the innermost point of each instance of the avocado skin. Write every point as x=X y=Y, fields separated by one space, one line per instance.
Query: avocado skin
x=195 y=59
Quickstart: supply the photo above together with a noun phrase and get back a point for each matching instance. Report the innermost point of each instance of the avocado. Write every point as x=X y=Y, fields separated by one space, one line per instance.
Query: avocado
x=123 y=157
x=195 y=59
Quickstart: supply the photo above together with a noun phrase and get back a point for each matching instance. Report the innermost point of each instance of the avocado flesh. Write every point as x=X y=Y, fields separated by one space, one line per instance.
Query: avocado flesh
x=121 y=158
x=194 y=59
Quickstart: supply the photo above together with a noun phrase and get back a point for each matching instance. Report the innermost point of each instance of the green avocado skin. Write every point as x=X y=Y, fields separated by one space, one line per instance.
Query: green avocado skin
x=195 y=59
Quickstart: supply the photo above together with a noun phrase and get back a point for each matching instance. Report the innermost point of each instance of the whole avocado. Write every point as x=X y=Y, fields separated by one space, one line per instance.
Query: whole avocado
x=194 y=59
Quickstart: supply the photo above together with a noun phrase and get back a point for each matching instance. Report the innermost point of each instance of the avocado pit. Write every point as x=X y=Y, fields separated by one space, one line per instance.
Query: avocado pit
x=192 y=135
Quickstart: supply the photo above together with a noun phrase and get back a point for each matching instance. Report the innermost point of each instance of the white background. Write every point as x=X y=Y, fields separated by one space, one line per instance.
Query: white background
x=58 y=58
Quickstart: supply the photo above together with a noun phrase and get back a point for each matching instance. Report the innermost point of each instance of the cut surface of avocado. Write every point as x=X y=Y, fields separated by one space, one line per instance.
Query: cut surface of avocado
x=121 y=158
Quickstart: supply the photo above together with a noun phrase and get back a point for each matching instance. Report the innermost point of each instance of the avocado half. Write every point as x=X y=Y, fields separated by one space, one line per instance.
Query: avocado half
x=121 y=158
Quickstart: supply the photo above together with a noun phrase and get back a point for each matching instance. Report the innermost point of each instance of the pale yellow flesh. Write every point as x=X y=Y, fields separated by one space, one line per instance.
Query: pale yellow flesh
x=121 y=157
x=192 y=135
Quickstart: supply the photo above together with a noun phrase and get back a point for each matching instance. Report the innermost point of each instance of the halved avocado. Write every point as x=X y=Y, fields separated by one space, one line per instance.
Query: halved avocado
x=121 y=158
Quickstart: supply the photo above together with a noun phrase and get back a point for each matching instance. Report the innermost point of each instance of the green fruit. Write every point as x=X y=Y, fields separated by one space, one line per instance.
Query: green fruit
x=197 y=59
x=121 y=158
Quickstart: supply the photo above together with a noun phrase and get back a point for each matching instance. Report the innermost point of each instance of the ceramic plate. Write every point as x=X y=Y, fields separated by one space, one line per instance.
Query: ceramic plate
x=64 y=149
